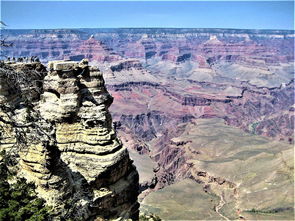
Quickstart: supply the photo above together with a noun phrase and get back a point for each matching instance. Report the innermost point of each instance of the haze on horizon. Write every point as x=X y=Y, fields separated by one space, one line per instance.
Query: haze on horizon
x=144 y=14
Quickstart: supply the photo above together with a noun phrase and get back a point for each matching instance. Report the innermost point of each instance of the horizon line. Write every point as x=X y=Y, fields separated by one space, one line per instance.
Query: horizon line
x=147 y=1
x=69 y=28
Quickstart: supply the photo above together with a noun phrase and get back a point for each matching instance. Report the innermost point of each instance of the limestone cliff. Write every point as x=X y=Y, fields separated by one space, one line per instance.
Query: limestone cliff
x=72 y=152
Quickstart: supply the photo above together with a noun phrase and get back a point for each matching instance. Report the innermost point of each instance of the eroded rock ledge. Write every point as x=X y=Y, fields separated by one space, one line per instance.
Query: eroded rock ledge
x=75 y=159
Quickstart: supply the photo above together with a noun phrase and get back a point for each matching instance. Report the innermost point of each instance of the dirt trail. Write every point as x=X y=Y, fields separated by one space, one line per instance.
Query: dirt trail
x=219 y=207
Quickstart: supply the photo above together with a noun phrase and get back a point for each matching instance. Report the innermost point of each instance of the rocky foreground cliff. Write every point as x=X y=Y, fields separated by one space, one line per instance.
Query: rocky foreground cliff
x=61 y=132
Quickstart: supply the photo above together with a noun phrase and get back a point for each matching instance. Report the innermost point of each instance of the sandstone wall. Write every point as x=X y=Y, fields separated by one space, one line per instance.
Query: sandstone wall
x=73 y=156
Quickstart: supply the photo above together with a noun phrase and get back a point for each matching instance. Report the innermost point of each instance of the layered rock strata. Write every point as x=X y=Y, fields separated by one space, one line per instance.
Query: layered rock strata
x=75 y=159
x=20 y=84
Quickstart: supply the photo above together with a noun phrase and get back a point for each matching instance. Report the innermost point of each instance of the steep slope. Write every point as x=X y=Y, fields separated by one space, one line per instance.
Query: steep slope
x=73 y=156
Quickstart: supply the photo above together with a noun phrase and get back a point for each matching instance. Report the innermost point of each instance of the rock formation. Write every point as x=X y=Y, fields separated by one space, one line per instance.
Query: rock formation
x=164 y=80
x=73 y=156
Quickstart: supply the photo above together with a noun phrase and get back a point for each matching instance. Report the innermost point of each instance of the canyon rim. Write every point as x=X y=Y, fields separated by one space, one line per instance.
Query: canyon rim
x=147 y=123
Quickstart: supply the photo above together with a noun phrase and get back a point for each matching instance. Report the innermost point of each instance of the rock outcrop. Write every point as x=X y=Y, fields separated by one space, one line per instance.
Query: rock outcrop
x=73 y=156
x=126 y=65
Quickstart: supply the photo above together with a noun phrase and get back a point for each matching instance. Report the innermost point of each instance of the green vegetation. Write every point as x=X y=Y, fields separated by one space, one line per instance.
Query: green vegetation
x=267 y=211
x=145 y=217
x=252 y=127
x=272 y=214
x=18 y=199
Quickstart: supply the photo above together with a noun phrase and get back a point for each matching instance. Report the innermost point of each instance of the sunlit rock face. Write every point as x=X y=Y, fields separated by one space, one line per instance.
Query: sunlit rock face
x=77 y=161
x=175 y=90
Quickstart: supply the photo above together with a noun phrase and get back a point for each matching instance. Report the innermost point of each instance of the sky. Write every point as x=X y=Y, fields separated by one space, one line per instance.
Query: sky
x=174 y=14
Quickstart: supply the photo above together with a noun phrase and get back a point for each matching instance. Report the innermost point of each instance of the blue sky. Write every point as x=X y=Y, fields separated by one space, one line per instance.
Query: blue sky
x=178 y=14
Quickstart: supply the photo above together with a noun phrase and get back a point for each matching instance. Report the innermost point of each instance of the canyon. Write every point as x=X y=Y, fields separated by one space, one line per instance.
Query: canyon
x=206 y=114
